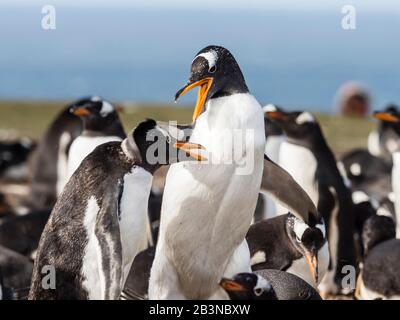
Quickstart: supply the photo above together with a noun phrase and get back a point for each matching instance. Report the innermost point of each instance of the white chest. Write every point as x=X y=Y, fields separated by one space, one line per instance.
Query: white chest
x=81 y=147
x=272 y=147
x=133 y=218
x=302 y=165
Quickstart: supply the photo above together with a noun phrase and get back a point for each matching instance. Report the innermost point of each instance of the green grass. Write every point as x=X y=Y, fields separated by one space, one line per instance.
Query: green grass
x=31 y=118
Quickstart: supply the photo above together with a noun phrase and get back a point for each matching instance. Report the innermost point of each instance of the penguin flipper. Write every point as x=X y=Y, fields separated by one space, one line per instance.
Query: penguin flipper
x=277 y=182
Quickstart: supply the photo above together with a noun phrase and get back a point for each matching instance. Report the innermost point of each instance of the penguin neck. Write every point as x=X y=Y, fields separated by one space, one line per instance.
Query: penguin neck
x=135 y=156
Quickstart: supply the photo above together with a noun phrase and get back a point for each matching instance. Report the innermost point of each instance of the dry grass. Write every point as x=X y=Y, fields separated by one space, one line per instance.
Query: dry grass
x=31 y=118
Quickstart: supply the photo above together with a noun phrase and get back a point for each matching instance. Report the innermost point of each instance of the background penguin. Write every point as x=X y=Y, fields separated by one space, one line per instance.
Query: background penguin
x=13 y=159
x=22 y=233
x=287 y=243
x=367 y=173
x=268 y=285
x=379 y=277
x=386 y=139
x=393 y=117
x=49 y=161
x=308 y=158
x=274 y=137
x=101 y=217
x=101 y=124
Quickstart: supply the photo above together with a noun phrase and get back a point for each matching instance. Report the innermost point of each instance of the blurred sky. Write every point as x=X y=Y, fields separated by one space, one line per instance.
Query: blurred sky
x=292 y=52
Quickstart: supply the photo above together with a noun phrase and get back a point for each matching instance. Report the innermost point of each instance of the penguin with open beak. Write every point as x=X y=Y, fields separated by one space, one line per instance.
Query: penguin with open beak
x=204 y=210
x=98 y=224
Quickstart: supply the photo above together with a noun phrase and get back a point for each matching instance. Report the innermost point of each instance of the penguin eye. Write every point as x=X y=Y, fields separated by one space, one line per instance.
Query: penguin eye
x=258 y=291
x=212 y=69
x=298 y=239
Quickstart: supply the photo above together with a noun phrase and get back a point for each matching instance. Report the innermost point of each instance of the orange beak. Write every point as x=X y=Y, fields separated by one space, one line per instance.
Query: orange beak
x=192 y=149
x=276 y=115
x=205 y=85
x=80 y=112
x=385 y=116
x=231 y=286
x=312 y=262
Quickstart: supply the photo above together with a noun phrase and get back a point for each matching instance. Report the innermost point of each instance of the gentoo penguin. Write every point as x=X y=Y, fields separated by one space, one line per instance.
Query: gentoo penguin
x=268 y=285
x=379 y=277
x=308 y=158
x=287 y=243
x=274 y=137
x=13 y=159
x=367 y=173
x=98 y=224
x=101 y=124
x=393 y=117
x=208 y=208
x=386 y=139
x=49 y=161
x=22 y=233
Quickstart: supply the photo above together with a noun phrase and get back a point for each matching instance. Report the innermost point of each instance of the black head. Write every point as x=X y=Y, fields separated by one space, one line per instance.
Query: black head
x=308 y=239
x=248 y=286
x=389 y=118
x=154 y=145
x=97 y=115
x=272 y=128
x=217 y=73
x=377 y=229
x=298 y=125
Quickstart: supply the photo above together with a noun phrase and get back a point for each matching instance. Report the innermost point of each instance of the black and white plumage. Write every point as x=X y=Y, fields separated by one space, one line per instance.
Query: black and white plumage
x=98 y=224
x=14 y=159
x=101 y=124
x=287 y=243
x=203 y=209
x=268 y=285
x=367 y=173
x=49 y=160
x=386 y=139
x=379 y=277
x=392 y=119
x=306 y=146
x=274 y=136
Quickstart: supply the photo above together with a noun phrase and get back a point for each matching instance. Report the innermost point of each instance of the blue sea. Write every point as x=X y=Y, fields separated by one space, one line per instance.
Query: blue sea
x=297 y=59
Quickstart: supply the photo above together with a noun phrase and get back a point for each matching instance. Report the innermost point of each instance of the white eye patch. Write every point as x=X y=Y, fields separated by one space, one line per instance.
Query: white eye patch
x=106 y=108
x=95 y=99
x=305 y=117
x=164 y=133
x=262 y=284
x=269 y=108
x=321 y=226
x=211 y=57
x=359 y=196
x=299 y=227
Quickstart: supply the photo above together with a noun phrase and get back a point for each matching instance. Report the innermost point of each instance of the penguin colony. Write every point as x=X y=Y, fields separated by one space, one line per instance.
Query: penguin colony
x=89 y=215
